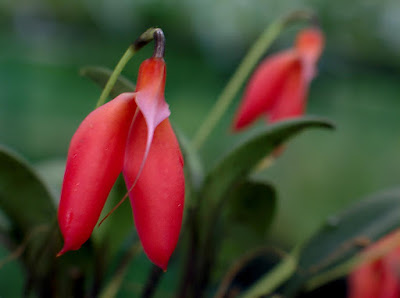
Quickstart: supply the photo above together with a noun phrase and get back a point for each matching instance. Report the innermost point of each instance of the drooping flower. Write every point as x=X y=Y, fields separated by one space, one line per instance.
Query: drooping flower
x=95 y=159
x=379 y=278
x=157 y=197
x=130 y=134
x=278 y=88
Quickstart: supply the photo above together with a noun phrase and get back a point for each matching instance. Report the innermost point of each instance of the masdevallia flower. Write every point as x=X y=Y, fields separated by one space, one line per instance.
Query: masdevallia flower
x=130 y=134
x=279 y=86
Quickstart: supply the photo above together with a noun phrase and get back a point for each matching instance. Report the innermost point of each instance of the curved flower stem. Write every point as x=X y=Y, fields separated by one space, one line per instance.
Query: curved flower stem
x=243 y=71
x=114 y=76
x=150 y=34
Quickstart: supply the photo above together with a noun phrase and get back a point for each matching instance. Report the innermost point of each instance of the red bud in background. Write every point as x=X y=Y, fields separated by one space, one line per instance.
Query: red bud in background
x=279 y=86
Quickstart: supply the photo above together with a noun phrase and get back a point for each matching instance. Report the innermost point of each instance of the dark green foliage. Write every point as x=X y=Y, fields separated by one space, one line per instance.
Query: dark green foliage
x=345 y=235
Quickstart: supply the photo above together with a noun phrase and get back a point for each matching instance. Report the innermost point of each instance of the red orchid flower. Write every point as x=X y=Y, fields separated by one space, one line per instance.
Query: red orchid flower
x=279 y=86
x=379 y=278
x=130 y=134
x=157 y=196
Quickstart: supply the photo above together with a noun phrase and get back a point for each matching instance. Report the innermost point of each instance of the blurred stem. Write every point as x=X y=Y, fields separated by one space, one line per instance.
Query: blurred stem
x=223 y=289
x=6 y=240
x=152 y=282
x=191 y=262
x=20 y=249
x=208 y=248
x=114 y=76
x=114 y=285
x=273 y=279
x=144 y=39
x=242 y=72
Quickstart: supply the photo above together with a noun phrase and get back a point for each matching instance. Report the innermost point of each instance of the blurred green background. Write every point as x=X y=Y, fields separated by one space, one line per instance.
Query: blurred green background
x=43 y=44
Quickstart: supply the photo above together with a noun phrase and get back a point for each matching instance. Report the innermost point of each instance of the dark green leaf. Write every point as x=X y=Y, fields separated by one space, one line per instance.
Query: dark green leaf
x=30 y=209
x=234 y=169
x=100 y=76
x=240 y=162
x=345 y=235
x=248 y=211
x=252 y=204
x=24 y=198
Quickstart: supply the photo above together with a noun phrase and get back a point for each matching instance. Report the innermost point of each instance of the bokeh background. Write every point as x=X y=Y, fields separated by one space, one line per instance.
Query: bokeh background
x=44 y=43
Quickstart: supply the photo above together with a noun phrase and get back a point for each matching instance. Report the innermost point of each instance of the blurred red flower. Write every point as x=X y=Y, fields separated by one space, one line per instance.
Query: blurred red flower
x=379 y=278
x=278 y=88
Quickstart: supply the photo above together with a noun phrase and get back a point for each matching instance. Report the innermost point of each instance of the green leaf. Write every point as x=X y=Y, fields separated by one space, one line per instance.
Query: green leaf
x=248 y=212
x=234 y=169
x=238 y=164
x=24 y=198
x=29 y=207
x=27 y=203
x=252 y=204
x=345 y=235
x=100 y=76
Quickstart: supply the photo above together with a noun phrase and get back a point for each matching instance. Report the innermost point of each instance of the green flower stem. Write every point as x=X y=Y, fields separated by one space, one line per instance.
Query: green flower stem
x=240 y=264
x=159 y=46
x=243 y=71
x=273 y=279
x=114 y=76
